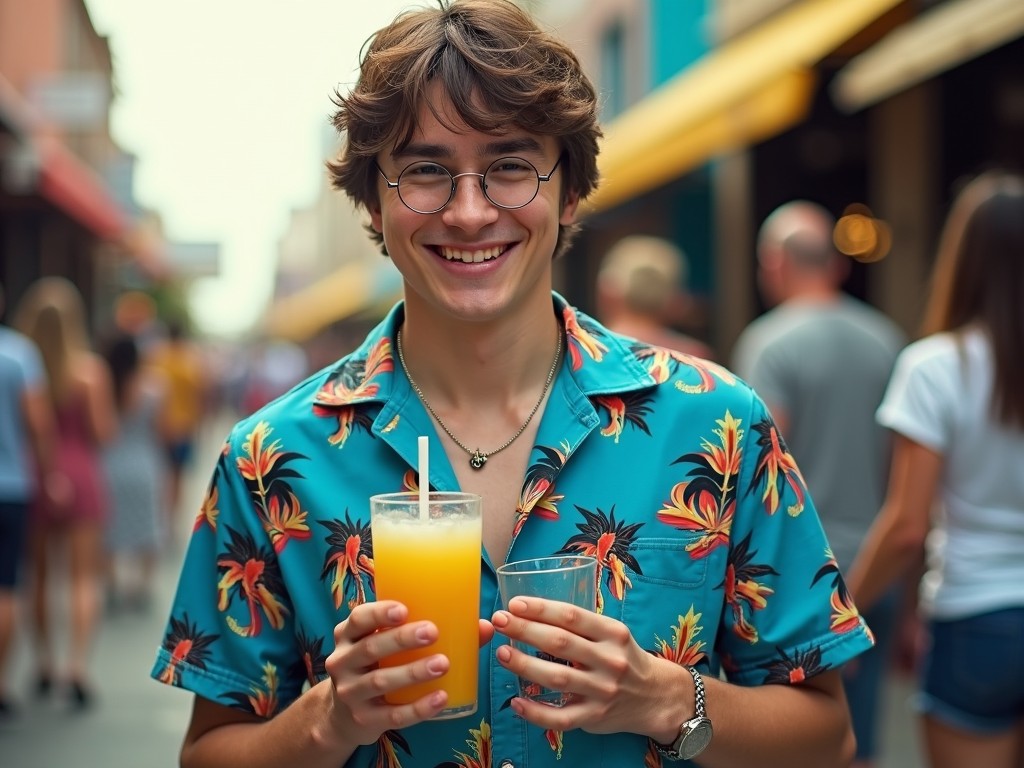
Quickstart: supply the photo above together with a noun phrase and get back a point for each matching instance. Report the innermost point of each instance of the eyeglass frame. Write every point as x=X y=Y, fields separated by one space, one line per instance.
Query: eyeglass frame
x=483 y=188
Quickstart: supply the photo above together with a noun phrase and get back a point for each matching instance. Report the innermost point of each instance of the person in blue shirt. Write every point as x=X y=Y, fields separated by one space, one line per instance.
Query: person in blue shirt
x=27 y=471
x=470 y=139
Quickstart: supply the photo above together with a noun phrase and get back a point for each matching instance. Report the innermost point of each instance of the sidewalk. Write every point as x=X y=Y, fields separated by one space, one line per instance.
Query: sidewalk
x=139 y=723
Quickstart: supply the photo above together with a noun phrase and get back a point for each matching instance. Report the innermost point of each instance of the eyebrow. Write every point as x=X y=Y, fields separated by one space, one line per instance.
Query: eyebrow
x=445 y=151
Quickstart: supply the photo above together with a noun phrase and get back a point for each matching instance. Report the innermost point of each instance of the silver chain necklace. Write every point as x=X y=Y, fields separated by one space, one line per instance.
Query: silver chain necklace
x=478 y=458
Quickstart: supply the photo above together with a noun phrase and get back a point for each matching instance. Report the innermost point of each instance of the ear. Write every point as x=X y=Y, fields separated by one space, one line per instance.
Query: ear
x=570 y=204
x=841 y=266
x=376 y=220
x=770 y=258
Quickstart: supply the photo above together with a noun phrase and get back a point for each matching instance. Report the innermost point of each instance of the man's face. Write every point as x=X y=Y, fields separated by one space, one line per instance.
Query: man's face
x=472 y=260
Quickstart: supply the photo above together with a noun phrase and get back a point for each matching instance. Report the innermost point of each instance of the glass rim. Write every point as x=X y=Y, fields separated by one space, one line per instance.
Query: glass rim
x=511 y=568
x=406 y=496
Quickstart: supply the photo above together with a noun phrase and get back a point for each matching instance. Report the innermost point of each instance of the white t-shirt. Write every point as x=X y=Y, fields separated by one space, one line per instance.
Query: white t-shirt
x=940 y=396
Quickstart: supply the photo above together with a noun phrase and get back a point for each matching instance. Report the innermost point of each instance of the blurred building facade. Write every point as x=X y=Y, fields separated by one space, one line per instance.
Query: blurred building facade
x=331 y=282
x=59 y=213
x=67 y=198
x=716 y=112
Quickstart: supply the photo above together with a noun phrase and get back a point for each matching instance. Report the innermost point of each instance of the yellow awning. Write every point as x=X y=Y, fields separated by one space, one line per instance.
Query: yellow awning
x=352 y=288
x=724 y=100
x=939 y=39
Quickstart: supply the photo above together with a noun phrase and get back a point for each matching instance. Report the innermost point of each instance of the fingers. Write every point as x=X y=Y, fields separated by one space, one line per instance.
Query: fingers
x=375 y=631
x=559 y=630
x=577 y=620
x=564 y=648
x=364 y=721
x=486 y=632
x=368 y=662
x=367 y=618
x=547 y=671
x=373 y=684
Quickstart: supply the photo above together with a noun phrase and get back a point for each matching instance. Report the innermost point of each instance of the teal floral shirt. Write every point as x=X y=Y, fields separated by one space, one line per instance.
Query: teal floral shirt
x=665 y=467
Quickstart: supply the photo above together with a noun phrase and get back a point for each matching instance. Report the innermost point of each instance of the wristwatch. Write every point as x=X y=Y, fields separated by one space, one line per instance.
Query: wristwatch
x=694 y=734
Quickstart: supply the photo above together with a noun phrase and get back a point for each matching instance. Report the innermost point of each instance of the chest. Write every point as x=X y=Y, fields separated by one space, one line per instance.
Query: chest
x=499 y=482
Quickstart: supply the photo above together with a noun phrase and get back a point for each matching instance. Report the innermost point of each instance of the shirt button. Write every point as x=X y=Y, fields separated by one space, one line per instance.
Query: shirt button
x=507 y=764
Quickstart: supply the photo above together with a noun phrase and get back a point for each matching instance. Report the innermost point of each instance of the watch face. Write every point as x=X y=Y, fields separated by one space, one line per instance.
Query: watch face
x=696 y=738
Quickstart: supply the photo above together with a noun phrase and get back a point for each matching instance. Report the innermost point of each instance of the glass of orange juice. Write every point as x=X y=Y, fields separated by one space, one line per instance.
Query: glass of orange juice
x=427 y=556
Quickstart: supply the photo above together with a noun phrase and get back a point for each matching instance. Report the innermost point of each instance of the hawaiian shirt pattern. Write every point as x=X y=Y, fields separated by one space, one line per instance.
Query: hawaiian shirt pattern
x=666 y=468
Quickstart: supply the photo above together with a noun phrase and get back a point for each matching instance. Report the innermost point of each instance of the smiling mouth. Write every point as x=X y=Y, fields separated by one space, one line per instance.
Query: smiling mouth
x=472 y=257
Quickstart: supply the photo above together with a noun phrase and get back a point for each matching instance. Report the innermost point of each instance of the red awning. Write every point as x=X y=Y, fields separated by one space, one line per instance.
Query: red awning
x=78 y=190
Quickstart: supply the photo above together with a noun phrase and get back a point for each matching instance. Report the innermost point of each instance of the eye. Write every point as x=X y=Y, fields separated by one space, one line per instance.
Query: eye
x=426 y=171
x=511 y=168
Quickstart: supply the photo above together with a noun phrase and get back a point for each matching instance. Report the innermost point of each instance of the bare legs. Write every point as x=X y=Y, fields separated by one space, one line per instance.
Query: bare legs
x=82 y=543
x=39 y=549
x=86 y=565
x=953 y=748
x=8 y=610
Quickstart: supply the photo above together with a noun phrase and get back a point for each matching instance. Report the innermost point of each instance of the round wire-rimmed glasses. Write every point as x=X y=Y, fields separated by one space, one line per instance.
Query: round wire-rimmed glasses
x=509 y=183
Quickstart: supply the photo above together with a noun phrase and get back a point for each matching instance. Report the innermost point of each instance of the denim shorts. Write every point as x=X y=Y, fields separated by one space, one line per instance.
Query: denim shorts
x=973 y=675
x=13 y=527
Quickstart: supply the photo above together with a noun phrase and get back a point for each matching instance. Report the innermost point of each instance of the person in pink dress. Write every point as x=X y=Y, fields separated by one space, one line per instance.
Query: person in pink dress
x=52 y=314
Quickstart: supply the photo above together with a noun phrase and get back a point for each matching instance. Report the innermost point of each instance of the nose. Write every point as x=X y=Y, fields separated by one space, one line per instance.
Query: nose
x=469 y=209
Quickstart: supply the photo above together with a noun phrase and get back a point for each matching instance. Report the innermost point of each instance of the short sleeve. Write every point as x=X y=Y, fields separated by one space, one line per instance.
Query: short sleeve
x=916 y=402
x=789 y=615
x=230 y=636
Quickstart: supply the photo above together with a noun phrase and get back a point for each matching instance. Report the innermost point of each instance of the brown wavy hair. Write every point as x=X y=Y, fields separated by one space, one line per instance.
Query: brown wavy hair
x=498 y=67
x=978 y=280
x=52 y=314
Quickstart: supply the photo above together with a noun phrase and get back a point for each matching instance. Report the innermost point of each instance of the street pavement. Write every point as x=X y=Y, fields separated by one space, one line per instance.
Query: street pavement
x=139 y=723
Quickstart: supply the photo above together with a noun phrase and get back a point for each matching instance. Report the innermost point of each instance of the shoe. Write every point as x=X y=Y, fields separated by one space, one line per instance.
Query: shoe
x=81 y=697
x=7 y=710
x=44 y=685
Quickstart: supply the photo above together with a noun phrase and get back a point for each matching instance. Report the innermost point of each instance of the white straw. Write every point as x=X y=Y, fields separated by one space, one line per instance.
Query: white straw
x=424 y=470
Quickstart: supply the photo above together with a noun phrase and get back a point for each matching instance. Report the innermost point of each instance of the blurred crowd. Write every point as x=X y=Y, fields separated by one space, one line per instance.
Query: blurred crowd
x=96 y=433
x=111 y=423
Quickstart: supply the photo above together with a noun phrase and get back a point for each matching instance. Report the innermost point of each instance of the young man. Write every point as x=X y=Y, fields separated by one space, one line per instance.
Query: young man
x=821 y=361
x=471 y=136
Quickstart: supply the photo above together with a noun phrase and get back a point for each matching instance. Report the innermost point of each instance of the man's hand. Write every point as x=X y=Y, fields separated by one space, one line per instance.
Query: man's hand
x=373 y=632
x=616 y=686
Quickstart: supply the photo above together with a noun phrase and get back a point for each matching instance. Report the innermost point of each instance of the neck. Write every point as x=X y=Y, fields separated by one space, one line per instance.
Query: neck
x=481 y=367
x=811 y=290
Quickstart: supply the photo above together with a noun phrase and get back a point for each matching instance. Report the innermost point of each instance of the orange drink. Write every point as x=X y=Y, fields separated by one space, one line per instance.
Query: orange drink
x=431 y=564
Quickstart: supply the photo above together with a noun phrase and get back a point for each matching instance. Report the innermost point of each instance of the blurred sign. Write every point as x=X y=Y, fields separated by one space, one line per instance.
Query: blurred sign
x=72 y=100
x=194 y=259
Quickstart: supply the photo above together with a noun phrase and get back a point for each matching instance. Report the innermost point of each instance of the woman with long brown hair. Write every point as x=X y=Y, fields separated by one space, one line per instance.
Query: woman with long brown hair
x=956 y=406
x=53 y=315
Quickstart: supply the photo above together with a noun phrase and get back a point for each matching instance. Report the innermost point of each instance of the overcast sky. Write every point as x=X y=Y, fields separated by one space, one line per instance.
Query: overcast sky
x=224 y=104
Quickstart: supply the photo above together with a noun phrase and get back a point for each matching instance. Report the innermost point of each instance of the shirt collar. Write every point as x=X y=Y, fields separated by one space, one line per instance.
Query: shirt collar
x=599 y=361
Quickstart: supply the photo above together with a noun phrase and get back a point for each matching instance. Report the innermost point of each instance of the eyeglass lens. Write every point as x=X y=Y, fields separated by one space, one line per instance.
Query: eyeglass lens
x=509 y=182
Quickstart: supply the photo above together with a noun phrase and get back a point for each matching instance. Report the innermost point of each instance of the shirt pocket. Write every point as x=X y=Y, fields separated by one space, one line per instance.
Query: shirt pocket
x=670 y=582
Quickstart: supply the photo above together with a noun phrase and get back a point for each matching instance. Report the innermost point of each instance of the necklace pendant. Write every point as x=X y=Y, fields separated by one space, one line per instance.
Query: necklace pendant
x=477 y=460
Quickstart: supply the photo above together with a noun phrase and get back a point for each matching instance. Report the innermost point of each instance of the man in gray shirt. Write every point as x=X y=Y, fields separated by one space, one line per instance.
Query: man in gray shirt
x=821 y=361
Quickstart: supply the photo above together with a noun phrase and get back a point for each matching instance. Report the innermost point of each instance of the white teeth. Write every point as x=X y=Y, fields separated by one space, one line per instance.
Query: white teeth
x=471 y=257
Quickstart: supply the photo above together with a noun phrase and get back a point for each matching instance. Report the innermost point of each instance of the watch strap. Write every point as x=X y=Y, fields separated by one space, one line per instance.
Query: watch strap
x=699 y=713
x=698 y=693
